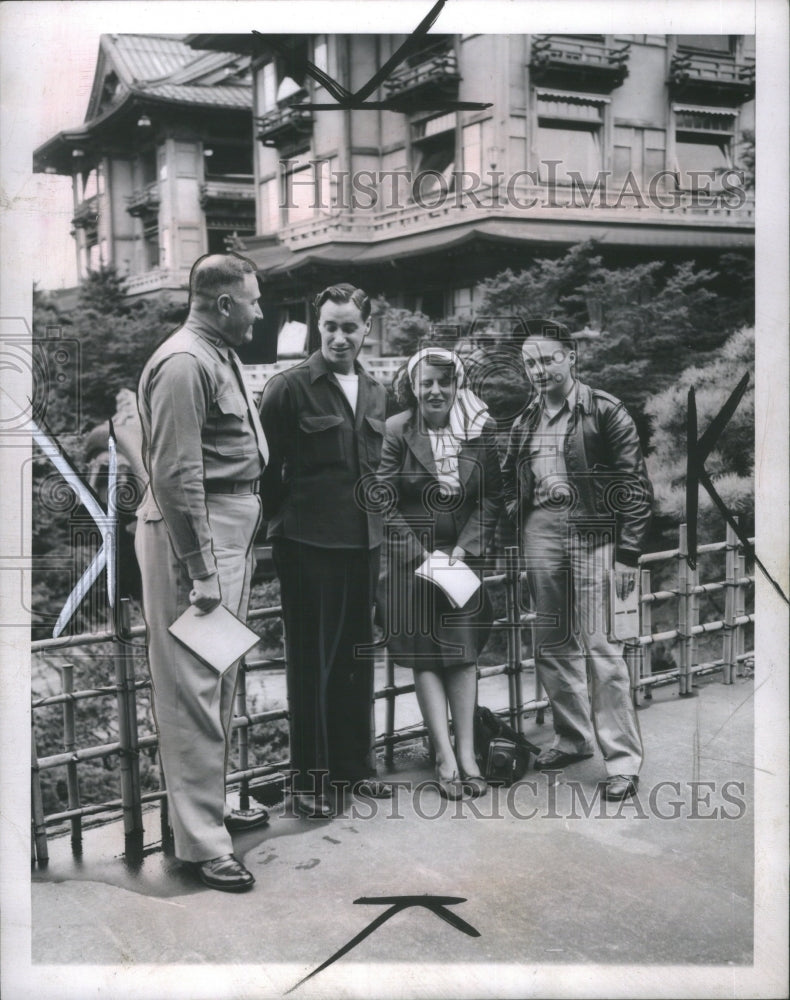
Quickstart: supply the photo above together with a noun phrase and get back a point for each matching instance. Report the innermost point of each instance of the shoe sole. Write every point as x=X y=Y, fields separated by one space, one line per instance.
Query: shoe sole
x=228 y=888
x=233 y=828
x=565 y=763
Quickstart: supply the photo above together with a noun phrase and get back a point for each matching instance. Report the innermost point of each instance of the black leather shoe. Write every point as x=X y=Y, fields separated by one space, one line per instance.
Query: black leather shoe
x=619 y=786
x=225 y=873
x=241 y=820
x=311 y=806
x=552 y=758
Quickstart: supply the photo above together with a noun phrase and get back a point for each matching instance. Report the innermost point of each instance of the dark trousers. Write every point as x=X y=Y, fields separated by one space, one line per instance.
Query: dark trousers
x=327 y=597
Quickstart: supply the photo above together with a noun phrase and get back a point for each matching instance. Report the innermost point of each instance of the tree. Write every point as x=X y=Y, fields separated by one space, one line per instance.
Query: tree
x=731 y=464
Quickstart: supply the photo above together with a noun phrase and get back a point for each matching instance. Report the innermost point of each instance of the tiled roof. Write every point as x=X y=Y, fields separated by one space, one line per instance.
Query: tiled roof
x=149 y=57
x=163 y=66
x=228 y=97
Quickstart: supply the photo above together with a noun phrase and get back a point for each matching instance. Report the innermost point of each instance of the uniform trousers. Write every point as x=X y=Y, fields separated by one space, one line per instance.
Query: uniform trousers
x=327 y=597
x=567 y=574
x=193 y=704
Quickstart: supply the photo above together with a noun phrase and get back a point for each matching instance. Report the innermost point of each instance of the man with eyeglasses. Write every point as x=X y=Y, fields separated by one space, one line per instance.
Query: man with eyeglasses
x=204 y=451
x=576 y=485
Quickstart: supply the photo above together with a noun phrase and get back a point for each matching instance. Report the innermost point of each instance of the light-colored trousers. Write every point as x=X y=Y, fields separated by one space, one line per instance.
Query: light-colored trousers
x=193 y=705
x=567 y=578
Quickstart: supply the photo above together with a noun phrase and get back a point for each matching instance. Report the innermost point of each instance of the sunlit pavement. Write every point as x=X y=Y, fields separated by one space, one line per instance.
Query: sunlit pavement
x=649 y=882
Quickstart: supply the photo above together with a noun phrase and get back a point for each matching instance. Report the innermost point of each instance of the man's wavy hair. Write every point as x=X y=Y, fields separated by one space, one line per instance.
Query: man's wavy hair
x=344 y=293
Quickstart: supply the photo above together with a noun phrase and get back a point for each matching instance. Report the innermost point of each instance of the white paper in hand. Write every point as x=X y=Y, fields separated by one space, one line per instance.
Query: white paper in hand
x=218 y=638
x=458 y=582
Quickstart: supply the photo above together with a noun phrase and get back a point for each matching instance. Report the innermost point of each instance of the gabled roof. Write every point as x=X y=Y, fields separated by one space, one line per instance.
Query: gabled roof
x=164 y=66
x=139 y=73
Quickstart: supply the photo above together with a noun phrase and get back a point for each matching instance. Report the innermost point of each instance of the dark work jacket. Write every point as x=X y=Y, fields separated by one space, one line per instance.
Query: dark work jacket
x=322 y=457
x=605 y=469
x=408 y=476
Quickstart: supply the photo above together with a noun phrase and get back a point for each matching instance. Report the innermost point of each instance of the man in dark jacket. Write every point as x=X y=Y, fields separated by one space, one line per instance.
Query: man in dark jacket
x=324 y=422
x=576 y=485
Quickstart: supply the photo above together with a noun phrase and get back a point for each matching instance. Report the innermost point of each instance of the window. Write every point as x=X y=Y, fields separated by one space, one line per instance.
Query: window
x=703 y=142
x=300 y=199
x=226 y=160
x=715 y=44
x=569 y=130
x=640 y=151
x=433 y=152
x=151 y=247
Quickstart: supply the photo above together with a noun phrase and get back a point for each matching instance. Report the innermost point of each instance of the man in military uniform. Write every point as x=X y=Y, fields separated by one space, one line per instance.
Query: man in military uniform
x=204 y=452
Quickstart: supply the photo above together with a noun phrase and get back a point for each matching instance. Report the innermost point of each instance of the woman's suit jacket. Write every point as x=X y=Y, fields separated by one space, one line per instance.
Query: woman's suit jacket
x=411 y=492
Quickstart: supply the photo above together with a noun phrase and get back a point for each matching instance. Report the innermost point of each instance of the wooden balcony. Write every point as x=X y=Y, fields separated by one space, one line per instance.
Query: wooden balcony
x=435 y=75
x=577 y=63
x=288 y=127
x=156 y=280
x=219 y=190
x=707 y=78
x=87 y=214
x=145 y=201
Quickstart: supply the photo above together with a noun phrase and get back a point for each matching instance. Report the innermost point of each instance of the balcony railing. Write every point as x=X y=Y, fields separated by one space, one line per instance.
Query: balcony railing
x=227 y=191
x=155 y=280
x=87 y=214
x=532 y=202
x=145 y=201
x=436 y=73
x=560 y=60
x=707 y=77
x=285 y=126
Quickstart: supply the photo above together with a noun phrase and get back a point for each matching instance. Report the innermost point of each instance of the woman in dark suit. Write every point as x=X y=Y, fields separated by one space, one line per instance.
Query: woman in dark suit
x=440 y=473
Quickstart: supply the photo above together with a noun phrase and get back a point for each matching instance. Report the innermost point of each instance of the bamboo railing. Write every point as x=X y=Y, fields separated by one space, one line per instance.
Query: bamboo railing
x=124 y=651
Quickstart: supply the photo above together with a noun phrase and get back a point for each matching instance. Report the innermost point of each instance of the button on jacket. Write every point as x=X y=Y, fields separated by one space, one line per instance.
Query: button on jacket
x=604 y=466
x=197 y=428
x=322 y=457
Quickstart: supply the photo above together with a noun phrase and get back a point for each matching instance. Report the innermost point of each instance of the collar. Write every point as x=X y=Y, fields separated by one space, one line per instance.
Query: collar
x=221 y=346
x=571 y=399
x=318 y=367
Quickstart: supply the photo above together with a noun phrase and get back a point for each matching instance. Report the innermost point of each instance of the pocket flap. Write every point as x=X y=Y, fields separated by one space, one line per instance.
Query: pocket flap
x=375 y=424
x=230 y=404
x=312 y=424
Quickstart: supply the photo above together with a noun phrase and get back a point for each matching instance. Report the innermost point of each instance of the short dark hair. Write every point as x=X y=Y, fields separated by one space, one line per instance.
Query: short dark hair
x=214 y=273
x=344 y=293
x=549 y=329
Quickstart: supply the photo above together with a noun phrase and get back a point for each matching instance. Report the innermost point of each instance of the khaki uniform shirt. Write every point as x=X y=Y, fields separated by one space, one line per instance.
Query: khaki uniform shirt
x=199 y=426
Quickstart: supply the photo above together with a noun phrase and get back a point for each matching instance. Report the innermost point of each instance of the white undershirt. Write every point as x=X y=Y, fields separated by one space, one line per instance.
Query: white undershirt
x=350 y=386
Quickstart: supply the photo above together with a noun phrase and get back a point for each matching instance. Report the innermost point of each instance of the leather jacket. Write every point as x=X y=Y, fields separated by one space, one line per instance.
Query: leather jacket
x=605 y=469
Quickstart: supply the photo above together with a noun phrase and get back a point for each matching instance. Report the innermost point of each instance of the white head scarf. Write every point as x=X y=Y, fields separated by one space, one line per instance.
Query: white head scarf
x=468 y=414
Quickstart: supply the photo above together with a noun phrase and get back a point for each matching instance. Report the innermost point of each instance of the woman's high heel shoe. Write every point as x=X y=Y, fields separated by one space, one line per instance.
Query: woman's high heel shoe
x=451 y=789
x=474 y=784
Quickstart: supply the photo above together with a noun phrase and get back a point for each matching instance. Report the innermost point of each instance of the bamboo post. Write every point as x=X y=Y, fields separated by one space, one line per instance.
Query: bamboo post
x=684 y=678
x=389 y=721
x=243 y=741
x=693 y=620
x=41 y=851
x=69 y=744
x=646 y=618
x=512 y=616
x=728 y=636
x=740 y=600
x=127 y=733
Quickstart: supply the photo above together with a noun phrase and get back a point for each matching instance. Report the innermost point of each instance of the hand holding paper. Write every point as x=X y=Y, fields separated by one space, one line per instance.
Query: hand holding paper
x=456 y=580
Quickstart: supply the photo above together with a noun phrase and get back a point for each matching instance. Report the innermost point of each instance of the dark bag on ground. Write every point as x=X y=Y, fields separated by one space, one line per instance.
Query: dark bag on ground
x=503 y=753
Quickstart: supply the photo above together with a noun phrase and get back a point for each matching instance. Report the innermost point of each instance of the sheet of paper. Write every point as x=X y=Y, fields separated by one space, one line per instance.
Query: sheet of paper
x=217 y=638
x=458 y=582
x=623 y=613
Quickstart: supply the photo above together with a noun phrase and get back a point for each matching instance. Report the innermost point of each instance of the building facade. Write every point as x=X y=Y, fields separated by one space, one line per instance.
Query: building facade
x=162 y=166
x=478 y=153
